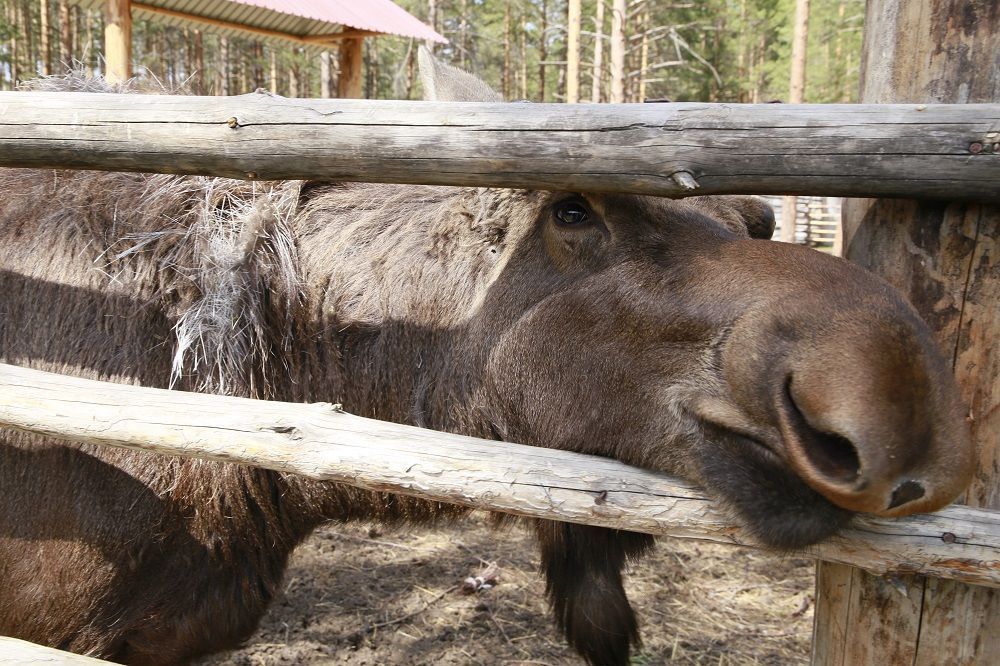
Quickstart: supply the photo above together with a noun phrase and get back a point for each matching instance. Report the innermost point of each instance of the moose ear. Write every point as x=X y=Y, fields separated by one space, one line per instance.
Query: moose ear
x=444 y=83
x=752 y=213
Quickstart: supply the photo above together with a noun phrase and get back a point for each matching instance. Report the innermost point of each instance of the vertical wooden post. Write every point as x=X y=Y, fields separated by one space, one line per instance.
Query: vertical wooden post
x=946 y=258
x=351 y=56
x=118 y=40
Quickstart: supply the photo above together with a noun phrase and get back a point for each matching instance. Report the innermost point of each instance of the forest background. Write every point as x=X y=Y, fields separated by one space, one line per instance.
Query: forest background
x=694 y=50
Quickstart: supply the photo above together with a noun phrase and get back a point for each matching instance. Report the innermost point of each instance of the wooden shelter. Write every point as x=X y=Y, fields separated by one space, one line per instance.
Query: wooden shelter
x=311 y=23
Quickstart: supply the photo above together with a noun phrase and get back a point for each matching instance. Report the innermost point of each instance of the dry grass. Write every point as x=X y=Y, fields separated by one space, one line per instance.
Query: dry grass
x=355 y=596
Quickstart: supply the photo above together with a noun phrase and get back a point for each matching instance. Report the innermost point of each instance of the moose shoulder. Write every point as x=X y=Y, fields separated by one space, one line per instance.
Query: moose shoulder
x=797 y=388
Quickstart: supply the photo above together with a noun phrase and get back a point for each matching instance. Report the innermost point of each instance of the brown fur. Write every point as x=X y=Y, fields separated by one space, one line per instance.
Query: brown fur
x=658 y=333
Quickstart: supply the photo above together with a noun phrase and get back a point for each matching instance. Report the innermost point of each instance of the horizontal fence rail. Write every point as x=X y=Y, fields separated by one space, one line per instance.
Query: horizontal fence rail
x=14 y=651
x=949 y=151
x=321 y=442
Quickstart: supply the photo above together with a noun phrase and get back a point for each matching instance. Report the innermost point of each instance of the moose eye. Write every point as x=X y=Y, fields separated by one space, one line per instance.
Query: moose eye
x=572 y=214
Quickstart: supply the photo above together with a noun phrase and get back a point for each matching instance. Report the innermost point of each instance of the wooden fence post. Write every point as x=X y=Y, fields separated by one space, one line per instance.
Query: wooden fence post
x=946 y=257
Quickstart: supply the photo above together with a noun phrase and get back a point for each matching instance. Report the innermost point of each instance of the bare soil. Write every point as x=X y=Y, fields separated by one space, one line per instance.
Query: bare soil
x=354 y=595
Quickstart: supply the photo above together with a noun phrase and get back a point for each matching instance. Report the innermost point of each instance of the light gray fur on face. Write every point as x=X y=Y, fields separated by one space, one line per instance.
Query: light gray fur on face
x=444 y=83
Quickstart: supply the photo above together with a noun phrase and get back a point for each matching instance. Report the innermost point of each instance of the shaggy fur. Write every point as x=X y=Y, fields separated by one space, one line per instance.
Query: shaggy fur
x=655 y=332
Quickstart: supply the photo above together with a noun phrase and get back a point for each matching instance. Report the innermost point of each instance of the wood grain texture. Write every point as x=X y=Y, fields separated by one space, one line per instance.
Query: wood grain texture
x=945 y=257
x=15 y=651
x=662 y=149
x=320 y=442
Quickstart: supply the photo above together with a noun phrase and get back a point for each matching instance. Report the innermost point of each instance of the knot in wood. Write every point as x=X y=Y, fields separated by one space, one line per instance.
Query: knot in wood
x=685 y=180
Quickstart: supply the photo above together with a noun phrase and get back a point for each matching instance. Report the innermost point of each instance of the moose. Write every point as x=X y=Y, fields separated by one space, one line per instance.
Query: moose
x=796 y=388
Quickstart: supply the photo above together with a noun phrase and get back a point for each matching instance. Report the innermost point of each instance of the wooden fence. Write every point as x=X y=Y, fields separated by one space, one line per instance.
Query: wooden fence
x=654 y=149
x=321 y=442
x=816 y=220
x=843 y=150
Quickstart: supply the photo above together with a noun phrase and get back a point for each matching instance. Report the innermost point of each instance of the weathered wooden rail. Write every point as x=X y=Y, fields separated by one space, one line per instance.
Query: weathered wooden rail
x=23 y=653
x=949 y=151
x=321 y=442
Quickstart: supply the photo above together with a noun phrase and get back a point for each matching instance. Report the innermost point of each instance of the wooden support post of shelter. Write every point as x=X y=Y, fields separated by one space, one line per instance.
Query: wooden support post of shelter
x=946 y=258
x=318 y=26
x=351 y=57
x=118 y=40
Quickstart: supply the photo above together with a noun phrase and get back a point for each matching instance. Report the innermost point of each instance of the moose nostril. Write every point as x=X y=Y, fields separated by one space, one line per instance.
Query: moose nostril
x=904 y=493
x=832 y=455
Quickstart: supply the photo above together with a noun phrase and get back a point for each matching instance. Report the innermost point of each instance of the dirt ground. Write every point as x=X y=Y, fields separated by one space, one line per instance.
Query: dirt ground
x=356 y=596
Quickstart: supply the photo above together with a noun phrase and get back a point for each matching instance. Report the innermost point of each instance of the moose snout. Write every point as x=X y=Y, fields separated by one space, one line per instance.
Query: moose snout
x=857 y=399
x=874 y=428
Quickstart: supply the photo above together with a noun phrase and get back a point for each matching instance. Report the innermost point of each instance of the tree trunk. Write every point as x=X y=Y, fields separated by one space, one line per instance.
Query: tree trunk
x=223 y=87
x=65 y=36
x=30 y=44
x=598 y=72
x=242 y=74
x=43 y=36
x=11 y=16
x=944 y=257
x=199 y=63
x=644 y=54
x=800 y=43
x=90 y=50
x=371 y=69
x=573 y=52
x=505 y=75
x=796 y=94
x=524 y=56
x=760 y=79
x=743 y=55
x=463 y=34
x=293 y=81
x=273 y=71
x=258 y=65
x=618 y=15
x=325 y=75
x=432 y=20
x=542 y=52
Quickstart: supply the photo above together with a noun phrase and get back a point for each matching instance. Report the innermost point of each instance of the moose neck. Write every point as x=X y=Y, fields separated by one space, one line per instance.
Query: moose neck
x=386 y=334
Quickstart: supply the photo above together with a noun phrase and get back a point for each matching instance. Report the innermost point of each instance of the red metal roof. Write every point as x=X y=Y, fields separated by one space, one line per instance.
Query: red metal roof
x=376 y=15
x=292 y=17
